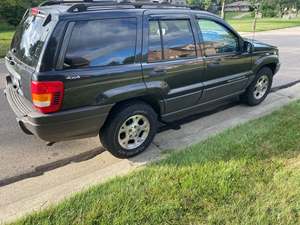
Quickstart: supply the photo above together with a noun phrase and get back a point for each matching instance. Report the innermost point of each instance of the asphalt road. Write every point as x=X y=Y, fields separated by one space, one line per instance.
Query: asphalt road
x=21 y=155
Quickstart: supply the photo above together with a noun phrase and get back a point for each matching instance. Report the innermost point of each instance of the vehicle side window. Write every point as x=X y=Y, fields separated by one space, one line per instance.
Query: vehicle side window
x=155 y=47
x=177 y=37
x=105 y=42
x=217 y=38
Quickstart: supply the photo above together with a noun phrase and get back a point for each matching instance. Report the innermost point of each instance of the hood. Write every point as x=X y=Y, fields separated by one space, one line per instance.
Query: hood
x=259 y=46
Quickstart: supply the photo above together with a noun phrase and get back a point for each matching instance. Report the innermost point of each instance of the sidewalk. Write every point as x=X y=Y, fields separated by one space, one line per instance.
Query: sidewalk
x=36 y=193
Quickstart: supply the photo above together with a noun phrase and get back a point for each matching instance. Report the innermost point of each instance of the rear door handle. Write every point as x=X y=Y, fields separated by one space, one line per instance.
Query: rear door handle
x=158 y=72
x=215 y=61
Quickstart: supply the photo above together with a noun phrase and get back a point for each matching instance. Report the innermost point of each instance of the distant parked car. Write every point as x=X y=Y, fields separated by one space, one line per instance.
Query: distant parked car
x=81 y=69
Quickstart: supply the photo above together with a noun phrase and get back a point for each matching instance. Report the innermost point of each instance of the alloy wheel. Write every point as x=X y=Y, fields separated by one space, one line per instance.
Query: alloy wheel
x=261 y=87
x=133 y=132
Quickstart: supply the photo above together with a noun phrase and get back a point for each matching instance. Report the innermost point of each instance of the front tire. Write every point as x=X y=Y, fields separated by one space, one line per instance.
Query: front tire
x=259 y=88
x=129 y=129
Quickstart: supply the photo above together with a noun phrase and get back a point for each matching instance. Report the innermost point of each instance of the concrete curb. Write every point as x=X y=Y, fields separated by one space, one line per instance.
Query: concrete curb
x=26 y=196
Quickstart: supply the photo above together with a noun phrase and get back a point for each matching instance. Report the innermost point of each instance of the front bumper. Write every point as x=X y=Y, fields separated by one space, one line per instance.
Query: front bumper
x=65 y=125
x=277 y=67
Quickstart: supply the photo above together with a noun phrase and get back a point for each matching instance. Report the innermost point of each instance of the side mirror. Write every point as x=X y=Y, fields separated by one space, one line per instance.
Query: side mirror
x=247 y=47
x=76 y=62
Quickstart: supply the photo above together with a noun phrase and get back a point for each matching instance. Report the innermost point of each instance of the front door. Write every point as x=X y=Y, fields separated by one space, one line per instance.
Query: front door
x=173 y=66
x=228 y=67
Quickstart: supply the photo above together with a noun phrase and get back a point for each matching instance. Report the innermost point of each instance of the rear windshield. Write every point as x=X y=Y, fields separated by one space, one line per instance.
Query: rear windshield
x=29 y=39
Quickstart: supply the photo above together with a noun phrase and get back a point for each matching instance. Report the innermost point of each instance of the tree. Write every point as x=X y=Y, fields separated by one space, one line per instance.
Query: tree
x=223 y=2
x=13 y=10
x=297 y=6
x=204 y=4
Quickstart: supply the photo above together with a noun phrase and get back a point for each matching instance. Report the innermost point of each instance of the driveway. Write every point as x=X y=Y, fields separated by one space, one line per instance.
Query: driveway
x=22 y=156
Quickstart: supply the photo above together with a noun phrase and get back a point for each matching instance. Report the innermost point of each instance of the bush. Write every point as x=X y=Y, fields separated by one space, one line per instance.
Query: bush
x=13 y=10
x=268 y=9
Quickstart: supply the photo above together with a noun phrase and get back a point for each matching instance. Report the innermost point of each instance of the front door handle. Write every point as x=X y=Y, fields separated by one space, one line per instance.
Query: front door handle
x=158 y=72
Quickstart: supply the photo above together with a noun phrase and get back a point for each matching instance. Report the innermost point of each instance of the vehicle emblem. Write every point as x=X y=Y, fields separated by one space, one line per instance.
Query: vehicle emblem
x=73 y=77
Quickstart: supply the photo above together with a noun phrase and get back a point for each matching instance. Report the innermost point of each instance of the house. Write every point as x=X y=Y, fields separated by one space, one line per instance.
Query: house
x=239 y=6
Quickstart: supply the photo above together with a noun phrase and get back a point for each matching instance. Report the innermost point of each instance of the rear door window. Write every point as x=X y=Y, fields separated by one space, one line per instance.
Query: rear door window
x=155 y=46
x=178 y=39
x=170 y=40
x=105 y=42
x=29 y=39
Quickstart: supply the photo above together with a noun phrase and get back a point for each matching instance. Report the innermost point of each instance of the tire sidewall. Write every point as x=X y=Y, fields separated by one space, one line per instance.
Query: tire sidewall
x=112 y=142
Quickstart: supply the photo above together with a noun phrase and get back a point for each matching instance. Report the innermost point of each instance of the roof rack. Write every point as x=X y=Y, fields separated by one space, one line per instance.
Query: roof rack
x=58 y=2
x=83 y=5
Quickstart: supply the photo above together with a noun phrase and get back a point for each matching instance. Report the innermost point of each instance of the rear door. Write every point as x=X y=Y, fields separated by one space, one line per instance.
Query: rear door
x=26 y=48
x=228 y=67
x=172 y=65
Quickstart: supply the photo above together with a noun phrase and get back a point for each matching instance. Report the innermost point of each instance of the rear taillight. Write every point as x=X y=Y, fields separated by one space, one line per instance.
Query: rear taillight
x=47 y=96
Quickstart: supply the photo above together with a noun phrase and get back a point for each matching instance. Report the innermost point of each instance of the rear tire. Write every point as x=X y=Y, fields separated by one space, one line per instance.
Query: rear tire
x=129 y=129
x=259 y=88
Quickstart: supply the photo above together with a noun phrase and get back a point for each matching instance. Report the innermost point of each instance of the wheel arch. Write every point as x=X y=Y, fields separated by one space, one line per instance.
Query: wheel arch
x=156 y=104
x=269 y=61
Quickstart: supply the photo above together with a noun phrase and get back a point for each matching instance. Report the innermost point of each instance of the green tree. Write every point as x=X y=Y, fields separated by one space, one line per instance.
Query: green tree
x=297 y=6
x=13 y=10
x=269 y=8
x=205 y=4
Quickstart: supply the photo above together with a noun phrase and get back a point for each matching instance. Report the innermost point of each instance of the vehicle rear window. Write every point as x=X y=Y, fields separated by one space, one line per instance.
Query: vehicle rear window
x=105 y=42
x=29 y=39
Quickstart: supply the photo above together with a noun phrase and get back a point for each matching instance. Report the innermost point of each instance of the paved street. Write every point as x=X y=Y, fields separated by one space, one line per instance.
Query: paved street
x=21 y=154
x=288 y=41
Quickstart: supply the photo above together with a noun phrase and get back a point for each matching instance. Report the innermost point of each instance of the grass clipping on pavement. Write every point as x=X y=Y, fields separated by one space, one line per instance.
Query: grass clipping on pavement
x=249 y=174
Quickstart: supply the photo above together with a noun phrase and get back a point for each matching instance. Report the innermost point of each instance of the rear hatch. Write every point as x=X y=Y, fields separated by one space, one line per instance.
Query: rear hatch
x=23 y=59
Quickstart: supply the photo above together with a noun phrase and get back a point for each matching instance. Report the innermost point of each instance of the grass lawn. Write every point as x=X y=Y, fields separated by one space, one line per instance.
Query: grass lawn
x=246 y=175
x=6 y=34
x=245 y=25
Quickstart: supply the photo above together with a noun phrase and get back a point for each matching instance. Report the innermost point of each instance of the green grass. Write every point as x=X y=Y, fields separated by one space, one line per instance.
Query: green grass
x=246 y=175
x=232 y=15
x=246 y=24
x=6 y=34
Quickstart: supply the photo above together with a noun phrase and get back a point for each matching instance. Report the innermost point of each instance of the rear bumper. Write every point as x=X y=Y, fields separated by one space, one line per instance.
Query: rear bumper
x=66 y=125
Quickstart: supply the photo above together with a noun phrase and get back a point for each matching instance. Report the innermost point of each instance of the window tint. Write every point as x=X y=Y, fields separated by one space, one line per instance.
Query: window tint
x=102 y=43
x=178 y=40
x=217 y=38
x=155 y=48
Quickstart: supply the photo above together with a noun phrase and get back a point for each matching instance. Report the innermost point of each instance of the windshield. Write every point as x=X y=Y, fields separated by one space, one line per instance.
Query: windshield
x=29 y=39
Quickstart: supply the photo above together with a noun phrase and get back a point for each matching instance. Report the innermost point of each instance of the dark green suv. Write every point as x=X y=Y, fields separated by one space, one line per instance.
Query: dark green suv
x=81 y=69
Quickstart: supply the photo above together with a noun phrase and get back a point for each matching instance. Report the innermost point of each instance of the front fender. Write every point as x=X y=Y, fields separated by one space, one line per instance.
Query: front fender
x=263 y=60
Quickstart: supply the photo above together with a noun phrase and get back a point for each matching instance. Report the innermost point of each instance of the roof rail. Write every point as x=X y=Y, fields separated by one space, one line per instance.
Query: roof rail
x=58 y=2
x=83 y=5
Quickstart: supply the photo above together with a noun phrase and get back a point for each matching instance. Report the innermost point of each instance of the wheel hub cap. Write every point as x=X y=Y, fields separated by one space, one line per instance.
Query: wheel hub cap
x=133 y=132
x=261 y=87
